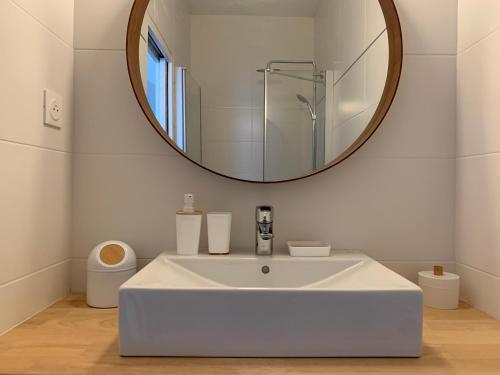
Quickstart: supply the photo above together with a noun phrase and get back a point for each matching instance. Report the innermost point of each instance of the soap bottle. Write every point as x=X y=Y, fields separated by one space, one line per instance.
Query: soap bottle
x=188 y=226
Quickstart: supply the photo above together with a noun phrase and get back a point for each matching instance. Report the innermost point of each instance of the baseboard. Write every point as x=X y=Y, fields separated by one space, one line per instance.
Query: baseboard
x=79 y=273
x=480 y=289
x=25 y=297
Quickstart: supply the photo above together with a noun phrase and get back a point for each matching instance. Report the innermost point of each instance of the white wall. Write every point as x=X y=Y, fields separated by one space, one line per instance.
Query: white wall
x=394 y=199
x=478 y=153
x=171 y=25
x=226 y=51
x=343 y=30
x=35 y=189
x=174 y=22
x=350 y=41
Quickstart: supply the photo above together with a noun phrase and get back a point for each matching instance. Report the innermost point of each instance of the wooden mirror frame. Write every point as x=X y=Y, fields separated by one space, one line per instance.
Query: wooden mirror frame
x=391 y=85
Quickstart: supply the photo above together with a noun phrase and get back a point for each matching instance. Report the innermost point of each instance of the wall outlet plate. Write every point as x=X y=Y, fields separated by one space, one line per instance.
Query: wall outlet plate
x=53 y=108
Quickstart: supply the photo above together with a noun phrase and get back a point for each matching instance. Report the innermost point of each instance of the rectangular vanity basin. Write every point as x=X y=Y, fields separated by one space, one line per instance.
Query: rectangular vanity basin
x=345 y=305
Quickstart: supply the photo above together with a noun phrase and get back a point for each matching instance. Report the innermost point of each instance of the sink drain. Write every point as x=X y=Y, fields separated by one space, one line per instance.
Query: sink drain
x=265 y=269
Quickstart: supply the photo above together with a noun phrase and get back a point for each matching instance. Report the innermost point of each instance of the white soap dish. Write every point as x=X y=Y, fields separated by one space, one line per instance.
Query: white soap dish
x=309 y=248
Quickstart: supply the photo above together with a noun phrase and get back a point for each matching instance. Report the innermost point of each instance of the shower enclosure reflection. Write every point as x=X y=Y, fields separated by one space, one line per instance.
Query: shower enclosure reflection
x=290 y=142
x=264 y=91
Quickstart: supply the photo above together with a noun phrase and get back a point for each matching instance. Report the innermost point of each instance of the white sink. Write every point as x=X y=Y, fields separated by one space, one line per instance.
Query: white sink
x=344 y=305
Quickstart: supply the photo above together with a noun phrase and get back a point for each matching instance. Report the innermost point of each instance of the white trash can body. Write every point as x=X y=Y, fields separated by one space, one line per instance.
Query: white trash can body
x=109 y=265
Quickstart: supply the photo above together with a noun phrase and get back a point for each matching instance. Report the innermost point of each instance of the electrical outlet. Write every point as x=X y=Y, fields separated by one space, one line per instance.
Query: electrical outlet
x=53 y=109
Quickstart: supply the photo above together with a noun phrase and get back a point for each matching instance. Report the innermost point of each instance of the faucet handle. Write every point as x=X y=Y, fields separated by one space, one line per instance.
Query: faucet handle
x=264 y=218
x=264 y=214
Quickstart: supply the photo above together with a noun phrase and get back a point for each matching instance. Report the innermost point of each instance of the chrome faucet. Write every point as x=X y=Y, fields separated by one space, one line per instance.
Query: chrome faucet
x=264 y=230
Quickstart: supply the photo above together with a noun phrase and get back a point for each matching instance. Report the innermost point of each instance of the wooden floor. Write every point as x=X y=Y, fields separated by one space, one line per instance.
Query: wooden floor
x=70 y=338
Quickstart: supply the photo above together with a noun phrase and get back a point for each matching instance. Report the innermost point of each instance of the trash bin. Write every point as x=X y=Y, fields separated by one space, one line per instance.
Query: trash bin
x=109 y=265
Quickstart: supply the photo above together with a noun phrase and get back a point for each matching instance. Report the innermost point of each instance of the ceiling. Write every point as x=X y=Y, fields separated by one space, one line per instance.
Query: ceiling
x=280 y=8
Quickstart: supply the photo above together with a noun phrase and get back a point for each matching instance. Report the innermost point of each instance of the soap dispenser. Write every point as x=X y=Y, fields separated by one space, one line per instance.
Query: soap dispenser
x=188 y=225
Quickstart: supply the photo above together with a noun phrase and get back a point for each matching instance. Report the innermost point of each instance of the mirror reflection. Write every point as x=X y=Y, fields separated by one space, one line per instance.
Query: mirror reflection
x=264 y=90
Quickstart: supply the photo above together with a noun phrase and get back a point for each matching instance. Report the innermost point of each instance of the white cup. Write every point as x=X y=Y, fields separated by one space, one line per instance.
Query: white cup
x=219 y=232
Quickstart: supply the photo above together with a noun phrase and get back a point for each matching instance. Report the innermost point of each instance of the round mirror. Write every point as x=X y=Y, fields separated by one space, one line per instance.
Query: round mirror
x=265 y=90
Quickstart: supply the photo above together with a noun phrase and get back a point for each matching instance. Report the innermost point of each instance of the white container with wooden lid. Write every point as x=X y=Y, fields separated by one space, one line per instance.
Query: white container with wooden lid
x=188 y=227
x=441 y=289
x=109 y=265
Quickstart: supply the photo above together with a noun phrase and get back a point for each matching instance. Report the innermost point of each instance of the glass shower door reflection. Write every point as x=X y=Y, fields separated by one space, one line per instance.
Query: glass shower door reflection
x=291 y=123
